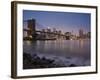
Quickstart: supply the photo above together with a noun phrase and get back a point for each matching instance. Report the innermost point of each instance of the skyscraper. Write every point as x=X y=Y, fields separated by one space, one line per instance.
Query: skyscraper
x=81 y=33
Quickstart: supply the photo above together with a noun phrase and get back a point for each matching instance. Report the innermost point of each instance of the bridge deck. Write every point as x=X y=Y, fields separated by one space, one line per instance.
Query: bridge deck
x=46 y=32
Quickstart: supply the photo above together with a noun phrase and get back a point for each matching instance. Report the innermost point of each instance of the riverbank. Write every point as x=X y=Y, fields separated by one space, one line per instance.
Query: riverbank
x=36 y=61
x=30 y=62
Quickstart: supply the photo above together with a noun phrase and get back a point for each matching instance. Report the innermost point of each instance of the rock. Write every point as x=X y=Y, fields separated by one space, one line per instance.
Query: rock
x=31 y=62
x=72 y=65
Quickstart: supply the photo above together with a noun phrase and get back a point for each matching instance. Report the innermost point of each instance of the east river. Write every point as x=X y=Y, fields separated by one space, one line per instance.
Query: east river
x=74 y=49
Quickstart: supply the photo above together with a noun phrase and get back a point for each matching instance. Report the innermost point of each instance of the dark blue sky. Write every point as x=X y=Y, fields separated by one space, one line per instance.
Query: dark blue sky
x=64 y=21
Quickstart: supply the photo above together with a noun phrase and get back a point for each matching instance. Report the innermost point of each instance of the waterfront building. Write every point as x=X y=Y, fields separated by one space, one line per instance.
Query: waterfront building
x=54 y=30
x=68 y=35
x=81 y=34
x=25 y=34
x=89 y=34
x=59 y=34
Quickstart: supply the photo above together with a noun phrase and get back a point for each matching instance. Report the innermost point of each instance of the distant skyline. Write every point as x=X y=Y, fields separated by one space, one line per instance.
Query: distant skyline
x=64 y=21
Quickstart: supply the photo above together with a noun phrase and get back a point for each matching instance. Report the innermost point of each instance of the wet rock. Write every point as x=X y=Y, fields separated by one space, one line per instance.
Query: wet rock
x=30 y=62
x=72 y=65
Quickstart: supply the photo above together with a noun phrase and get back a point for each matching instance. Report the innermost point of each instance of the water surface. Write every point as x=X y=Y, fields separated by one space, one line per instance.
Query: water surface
x=79 y=49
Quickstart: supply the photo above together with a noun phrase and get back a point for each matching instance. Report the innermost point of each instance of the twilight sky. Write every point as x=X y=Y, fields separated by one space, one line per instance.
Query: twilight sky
x=64 y=21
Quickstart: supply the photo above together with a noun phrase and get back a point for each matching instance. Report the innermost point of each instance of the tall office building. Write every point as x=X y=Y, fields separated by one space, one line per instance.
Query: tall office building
x=68 y=35
x=81 y=34
x=89 y=34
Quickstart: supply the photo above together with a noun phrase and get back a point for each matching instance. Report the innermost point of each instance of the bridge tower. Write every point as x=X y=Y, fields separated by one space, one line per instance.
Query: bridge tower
x=32 y=28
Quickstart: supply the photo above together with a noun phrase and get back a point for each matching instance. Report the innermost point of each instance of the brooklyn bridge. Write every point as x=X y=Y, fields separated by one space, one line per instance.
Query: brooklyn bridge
x=30 y=33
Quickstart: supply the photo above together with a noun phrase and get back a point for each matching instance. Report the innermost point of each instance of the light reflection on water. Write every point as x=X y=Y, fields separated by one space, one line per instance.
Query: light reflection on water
x=73 y=48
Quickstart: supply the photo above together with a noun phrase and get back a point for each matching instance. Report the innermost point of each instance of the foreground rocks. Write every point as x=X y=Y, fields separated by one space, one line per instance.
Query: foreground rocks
x=34 y=61
x=31 y=62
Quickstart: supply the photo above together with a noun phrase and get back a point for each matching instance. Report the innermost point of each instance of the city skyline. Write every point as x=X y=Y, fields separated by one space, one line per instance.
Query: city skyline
x=64 y=21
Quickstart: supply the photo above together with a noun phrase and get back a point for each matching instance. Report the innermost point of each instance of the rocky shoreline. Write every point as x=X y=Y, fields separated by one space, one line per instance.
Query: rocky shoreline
x=35 y=62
